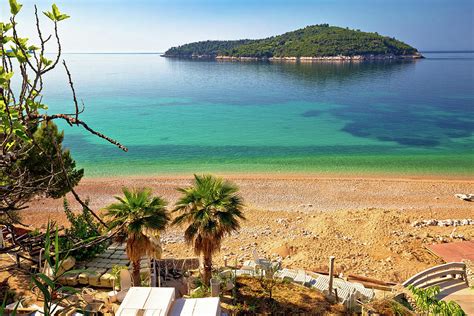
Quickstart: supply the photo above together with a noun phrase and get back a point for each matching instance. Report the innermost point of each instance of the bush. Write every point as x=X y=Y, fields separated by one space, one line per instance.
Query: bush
x=426 y=301
x=83 y=227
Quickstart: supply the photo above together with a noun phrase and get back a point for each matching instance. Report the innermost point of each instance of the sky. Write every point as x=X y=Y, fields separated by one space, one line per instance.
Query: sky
x=154 y=26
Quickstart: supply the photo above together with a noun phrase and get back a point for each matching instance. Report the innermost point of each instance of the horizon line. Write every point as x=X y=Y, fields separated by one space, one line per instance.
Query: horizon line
x=160 y=53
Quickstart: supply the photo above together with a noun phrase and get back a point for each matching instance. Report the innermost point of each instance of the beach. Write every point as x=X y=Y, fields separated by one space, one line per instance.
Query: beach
x=365 y=221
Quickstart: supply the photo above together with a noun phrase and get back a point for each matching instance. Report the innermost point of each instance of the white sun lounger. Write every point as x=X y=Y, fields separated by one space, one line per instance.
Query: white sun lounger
x=364 y=293
x=346 y=291
x=302 y=277
x=242 y=272
x=286 y=274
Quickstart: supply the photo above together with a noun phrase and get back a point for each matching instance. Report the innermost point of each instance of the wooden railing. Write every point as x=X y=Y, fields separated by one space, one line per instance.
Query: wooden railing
x=443 y=272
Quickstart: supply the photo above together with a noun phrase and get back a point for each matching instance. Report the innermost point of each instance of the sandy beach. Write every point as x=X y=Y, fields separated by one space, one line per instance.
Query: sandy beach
x=364 y=221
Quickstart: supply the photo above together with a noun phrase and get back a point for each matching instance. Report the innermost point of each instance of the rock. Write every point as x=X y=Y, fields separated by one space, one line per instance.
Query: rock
x=465 y=197
x=443 y=223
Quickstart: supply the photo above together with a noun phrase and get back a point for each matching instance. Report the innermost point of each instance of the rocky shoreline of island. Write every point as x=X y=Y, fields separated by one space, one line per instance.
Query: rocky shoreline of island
x=338 y=58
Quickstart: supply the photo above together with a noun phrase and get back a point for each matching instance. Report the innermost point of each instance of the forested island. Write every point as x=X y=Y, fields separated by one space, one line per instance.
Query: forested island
x=316 y=42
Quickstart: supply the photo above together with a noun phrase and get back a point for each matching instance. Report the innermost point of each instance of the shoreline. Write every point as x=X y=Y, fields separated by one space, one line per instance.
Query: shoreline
x=304 y=59
x=288 y=176
x=185 y=174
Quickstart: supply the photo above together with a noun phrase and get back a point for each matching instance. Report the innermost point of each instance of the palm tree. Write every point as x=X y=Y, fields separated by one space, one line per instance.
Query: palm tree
x=212 y=209
x=140 y=217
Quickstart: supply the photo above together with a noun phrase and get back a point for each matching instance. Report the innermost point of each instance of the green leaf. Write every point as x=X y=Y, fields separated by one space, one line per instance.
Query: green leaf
x=56 y=12
x=5 y=27
x=57 y=262
x=7 y=39
x=46 y=280
x=43 y=289
x=5 y=76
x=19 y=55
x=15 y=7
x=55 y=15
x=20 y=133
x=63 y=17
x=45 y=61
x=49 y=15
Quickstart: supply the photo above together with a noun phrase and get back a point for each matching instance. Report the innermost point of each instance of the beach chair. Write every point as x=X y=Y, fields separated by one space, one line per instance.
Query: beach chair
x=259 y=264
x=249 y=265
x=262 y=262
x=321 y=284
x=286 y=274
x=243 y=272
x=346 y=292
x=302 y=277
x=364 y=294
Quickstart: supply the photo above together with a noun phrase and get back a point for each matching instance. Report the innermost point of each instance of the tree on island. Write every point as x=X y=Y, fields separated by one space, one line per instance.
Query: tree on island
x=139 y=217
x=212 y=209
x=32 y=161
x=312 y=41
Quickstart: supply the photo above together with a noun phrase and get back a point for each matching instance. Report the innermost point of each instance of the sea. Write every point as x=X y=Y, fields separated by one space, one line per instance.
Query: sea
x=178 y=116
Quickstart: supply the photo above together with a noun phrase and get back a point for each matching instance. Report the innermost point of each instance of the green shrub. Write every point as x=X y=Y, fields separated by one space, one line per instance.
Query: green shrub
x=426 y=300
x=83 y=228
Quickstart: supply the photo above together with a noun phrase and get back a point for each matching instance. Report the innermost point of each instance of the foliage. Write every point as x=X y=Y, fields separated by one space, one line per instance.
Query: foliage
x=200 y=292
x=268 y=281
x=41 y=159
x=32 y=161
x=83 y=228
x=311 y=41
x=115 y=272
x=426 y=300
x=212 y=208
x=48 y=283
x=54 y=15
x=7 y=299
x=204 y=48
x=139 y=217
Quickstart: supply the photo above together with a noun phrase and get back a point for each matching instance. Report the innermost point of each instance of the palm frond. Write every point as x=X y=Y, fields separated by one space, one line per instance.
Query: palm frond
x=212 y=209
x=144 y=217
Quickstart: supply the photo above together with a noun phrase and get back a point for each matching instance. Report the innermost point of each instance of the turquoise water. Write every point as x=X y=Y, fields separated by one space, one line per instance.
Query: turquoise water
x=183 y=116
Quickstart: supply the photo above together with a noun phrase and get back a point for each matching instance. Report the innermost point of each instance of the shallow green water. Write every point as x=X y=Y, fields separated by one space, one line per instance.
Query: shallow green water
x=180 y=116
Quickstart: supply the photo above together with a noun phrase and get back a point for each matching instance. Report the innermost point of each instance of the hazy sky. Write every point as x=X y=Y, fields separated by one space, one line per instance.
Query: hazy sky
x=154 y=26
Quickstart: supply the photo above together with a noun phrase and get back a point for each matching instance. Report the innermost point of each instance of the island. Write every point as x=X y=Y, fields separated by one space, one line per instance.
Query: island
x=312 y=43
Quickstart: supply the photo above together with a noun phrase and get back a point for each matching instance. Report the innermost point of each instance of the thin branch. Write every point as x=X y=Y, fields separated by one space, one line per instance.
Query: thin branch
x=72 y=121
x=70 y=186
x=73 y=90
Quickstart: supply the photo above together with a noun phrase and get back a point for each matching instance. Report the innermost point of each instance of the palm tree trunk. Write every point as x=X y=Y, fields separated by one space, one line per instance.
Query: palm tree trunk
x=136 y=273
x=207 y=273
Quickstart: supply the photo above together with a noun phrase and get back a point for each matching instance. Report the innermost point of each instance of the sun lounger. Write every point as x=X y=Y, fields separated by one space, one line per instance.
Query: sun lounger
x=346 y=291
x=364 y=293
x=243 y=272
x=302 y=277
x=249 y=265
x=286 y=274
